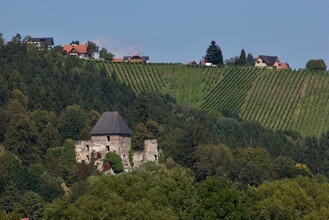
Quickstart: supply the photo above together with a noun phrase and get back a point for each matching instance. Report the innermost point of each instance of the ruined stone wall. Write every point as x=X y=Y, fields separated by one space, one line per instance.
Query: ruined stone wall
x=151 y=150
x=101 y=145
x=150 y=153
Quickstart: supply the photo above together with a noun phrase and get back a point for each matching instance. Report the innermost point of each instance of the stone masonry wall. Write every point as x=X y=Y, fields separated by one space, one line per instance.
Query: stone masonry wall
x=101 y=145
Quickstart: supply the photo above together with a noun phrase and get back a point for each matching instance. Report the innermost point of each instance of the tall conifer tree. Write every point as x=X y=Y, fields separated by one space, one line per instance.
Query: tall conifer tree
x=214 y=54
x=250 y=59
x=243 y=59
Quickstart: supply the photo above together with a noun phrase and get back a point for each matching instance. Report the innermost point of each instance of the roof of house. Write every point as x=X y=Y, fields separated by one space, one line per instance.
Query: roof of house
x=45 y=40
x=111 y=123
x=81 y=48
x=269 y=60
x=144 y=58
x=117 y=60
x=284 y=66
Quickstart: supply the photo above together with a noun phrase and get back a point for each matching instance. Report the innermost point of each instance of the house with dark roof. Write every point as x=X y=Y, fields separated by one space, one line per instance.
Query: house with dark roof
x=267 y=61
x=41 y=42
x=112 y=134
x=78 y=50
x=136 y=58
x=270 y=62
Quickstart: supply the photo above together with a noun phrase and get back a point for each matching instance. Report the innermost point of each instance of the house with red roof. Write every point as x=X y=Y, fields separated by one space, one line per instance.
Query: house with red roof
x=78 y=50
x=284 y=66
x=117 y=60
x=192 y=63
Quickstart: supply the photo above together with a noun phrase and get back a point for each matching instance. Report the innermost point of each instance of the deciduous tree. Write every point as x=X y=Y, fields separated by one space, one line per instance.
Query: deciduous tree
x=104 y=54
x=316 y=65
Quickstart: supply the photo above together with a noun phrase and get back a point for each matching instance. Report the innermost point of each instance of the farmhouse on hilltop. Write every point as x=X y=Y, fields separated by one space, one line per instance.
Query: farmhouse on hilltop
x=136 y=59
x=270 y=62
x=78 y=50
x=112 y=134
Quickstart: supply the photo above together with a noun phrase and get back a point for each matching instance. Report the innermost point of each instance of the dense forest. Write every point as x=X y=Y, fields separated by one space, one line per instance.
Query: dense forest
x=213 y=166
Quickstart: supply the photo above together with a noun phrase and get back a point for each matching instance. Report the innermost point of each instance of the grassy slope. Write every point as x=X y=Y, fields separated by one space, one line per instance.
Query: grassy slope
x=277 y=99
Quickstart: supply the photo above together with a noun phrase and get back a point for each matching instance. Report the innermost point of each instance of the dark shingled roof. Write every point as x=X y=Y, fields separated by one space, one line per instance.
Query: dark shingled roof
x=111 y=123
x=43 y=40
x=269 y=60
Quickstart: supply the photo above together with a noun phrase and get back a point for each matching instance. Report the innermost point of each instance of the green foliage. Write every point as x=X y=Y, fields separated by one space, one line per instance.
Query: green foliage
x=36 y=86
x=316 y=65
x=32 y=205
x=21 y=138
x=243 y=58
x=162 y=194
x=213 y=161
x=92 y=48
x=250 y=59
x=9 y=216
x=214 y=54
x=58 y=209
x=115 y=161
x=148 y=130
x=105 y=55
x=68 y=164
x=49 y=187
x=290 y=199
x=217 y=198
x=72 y=121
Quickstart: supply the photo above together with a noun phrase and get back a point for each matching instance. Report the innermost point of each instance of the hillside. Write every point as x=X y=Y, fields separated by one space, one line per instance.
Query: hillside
x=279 y=100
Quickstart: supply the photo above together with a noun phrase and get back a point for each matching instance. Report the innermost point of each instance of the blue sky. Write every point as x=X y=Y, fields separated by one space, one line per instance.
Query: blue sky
x=178 y=30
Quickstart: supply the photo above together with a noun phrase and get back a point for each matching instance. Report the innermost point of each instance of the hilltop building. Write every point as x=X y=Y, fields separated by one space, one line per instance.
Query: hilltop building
x=270 y=62
x=136 y=59
x=77 y=50
x=111 y=133
x=40 y=42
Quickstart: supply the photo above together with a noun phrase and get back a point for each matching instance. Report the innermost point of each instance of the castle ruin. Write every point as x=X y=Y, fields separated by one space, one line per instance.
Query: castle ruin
x=112 y=134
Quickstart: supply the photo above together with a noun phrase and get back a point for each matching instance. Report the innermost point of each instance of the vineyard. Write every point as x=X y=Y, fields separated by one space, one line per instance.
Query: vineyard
x=278 y=99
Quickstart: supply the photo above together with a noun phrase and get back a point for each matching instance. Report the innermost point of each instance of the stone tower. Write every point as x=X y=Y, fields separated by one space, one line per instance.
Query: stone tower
x=110 y=133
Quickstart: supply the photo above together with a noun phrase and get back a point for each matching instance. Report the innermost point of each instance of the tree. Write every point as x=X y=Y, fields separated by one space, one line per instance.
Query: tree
x=316 y=65
x=9 y=216
x=68 y=165
x=115 y=161
x=105 y=55
x=21 y=138
x=242 y=58
x=217 y=198
x=253 y=165
x=72 y=121
x=2 y=41
x=76 y=42
x=250 y=59
x=17 y=38
x=288 y=198
x=92 y=48
x=212 y=160
x=58 y=49
x=33 y=205
x=49 y=187
x=232 y=61
x=214 y=54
